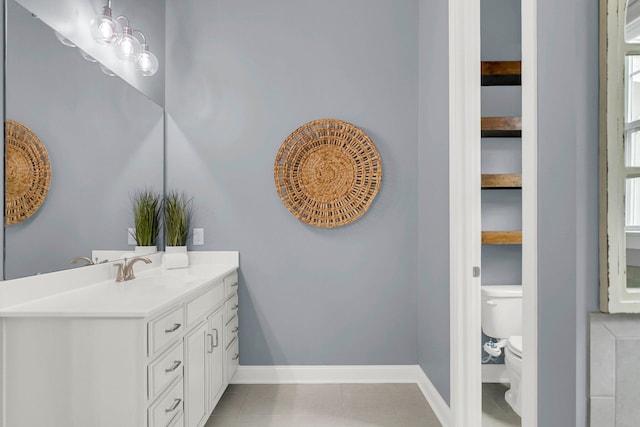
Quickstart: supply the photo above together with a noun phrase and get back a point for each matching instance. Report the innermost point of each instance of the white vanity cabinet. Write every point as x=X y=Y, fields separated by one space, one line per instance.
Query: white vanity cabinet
x=207 y=371
x=163 y=367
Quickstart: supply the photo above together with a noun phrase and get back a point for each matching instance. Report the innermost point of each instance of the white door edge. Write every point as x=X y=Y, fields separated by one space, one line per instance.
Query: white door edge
x=464 y=126
x=464 y=208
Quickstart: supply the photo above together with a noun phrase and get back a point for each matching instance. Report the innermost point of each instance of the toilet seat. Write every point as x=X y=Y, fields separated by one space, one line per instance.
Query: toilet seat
x=515 y=345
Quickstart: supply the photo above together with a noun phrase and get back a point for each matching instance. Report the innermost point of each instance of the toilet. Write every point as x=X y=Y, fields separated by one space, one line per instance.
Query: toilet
x=502 y=320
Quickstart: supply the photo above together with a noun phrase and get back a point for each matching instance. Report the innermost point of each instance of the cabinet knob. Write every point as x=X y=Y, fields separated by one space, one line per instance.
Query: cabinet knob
x=235 y=329
x=173 y=367
x=176 y=403
x=174 y=328
x=236 y=357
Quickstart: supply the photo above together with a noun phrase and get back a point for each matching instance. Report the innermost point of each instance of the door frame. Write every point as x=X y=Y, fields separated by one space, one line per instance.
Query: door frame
x=465 y=206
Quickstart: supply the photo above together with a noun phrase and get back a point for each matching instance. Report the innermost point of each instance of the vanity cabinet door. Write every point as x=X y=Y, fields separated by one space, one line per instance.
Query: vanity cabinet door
x=215 y=358
x=195 y=386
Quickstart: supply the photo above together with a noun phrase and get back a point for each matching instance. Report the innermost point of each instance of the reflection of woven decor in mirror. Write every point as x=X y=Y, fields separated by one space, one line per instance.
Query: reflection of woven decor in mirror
x=327 y=173
x=27 y=173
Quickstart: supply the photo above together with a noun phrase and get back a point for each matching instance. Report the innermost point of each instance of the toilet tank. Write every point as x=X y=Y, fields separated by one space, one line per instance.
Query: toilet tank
x=501 y=310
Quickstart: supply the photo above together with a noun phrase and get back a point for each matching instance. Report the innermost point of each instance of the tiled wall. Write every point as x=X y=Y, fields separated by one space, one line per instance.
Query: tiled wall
x=614 y=370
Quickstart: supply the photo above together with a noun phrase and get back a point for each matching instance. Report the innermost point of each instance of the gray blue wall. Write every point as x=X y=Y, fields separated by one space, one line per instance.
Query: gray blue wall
x=433 y=287
x=567 y=204
x=348 y=295
x=242 y=76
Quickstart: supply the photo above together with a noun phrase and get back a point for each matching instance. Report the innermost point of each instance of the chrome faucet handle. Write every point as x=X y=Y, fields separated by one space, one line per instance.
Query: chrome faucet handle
x=120 y=272
x=128 y=266
x=87 y=260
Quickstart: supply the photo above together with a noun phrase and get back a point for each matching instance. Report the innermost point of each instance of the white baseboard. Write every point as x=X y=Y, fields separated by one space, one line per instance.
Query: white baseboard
x=410 y=374
x=439 y=406
x=495 y=373
x=324 y=374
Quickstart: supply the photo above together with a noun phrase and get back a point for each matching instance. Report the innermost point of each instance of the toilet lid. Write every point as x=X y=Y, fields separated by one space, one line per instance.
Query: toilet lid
x=515 y=345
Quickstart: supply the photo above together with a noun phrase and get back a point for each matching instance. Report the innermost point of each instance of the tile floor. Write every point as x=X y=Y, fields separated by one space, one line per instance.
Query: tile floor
x=496 y=412
x=323 y=405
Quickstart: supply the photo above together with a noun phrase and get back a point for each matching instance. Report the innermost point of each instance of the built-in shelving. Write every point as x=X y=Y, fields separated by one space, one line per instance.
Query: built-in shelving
x=501 y=73
x=502 y=237
x=501 y=181
x=501 y=127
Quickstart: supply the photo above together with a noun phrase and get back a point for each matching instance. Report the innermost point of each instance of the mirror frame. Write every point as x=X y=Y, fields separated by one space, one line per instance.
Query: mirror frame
x=615 y=297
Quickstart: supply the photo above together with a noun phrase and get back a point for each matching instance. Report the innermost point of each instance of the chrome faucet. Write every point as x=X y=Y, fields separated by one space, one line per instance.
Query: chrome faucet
x=125 y=271
x=87 y=260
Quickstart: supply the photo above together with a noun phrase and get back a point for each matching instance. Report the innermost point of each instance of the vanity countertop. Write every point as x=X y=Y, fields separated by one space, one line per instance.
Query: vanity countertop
x=148 y=294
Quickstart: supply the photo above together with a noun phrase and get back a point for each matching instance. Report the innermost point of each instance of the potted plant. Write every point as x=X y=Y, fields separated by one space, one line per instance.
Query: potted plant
x=146 y=214
x=177 y=218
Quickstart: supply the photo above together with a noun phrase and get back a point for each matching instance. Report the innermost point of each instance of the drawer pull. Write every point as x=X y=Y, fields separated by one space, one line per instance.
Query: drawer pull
x=234 y=284
x=176 y=403
x=173 y=367
x=212 y=345
x=236 y=357
x=235 y=307
x=174 y=328
x=235 y=329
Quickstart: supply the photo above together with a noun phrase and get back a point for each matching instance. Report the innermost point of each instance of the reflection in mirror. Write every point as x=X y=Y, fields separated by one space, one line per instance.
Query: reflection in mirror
x=632 y=22
x=104 y=139
x=632 y=167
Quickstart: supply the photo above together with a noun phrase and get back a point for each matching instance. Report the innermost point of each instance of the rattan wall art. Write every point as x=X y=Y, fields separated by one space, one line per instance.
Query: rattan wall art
x=27 y=172
x=327 y=173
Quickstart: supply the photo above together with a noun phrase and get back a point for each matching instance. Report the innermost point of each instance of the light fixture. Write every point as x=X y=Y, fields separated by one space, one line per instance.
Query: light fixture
x=119 y=33
x=65 y=41
x=107 y=71
x=146 y=62
x=127 y=46
x=104 y=28
x=86 y=56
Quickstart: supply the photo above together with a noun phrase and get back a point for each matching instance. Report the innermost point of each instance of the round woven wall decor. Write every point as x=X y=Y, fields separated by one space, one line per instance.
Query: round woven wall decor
x=327 y=173
x=27 y=172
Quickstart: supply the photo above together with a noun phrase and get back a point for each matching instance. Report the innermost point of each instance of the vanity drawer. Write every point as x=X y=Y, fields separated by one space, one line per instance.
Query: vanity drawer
x=230 y=284
x=178 y=421
x=164 y=370
x=201 y=305
x=164 y=329
x=231 y=308
x=233 y=359
x=167 y=407
x=231 y=331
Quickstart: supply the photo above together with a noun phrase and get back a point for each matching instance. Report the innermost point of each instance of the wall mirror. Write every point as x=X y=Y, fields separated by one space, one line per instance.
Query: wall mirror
x=620 y=156
x=104 y=137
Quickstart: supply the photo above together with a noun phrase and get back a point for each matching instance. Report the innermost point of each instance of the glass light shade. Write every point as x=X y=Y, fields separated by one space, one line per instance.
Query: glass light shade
x=147 y=63
x=107 y=71
x=104 y=29
x=86 y=56
x=65 y=41
x=127 y=47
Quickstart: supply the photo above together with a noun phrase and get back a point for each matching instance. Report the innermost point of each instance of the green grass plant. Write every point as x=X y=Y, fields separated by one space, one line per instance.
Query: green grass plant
x=177 y=218
x=146 y=214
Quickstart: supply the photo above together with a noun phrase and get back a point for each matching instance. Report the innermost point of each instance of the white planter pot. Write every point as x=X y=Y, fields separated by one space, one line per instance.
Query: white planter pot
x=175 y=257
x=145 y=250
